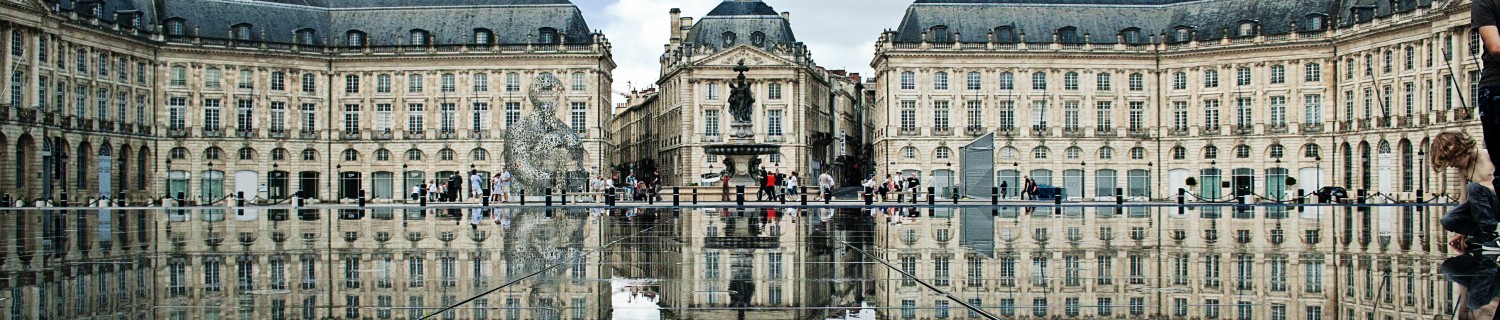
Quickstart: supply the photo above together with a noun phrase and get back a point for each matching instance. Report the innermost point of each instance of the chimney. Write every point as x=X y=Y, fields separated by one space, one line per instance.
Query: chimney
x=676 y=24
x=786 y=16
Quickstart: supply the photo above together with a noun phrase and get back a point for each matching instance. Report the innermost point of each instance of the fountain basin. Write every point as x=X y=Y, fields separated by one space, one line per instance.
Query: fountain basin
x=745 y=149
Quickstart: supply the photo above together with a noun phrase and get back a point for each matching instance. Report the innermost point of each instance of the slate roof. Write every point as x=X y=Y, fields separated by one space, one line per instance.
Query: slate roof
x=1103 y=20
x=743 y=18
x=448 y=21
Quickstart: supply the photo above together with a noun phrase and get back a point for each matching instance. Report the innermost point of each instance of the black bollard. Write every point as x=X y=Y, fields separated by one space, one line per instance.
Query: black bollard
x=931 y=196
x=804 y=198
x=676 y=192
x=650 y=198
x=869 y=197
x=609 y=197
x=239 y=199
x=421 y=200
x=739 y=198
x=549 y=197
x=994 y=212
x=485 y=200
x=1300 y=200
x=120 y=199
x=1057 y=200
x=1421 y=198
x=299 y=201
x=5 y=200
x=695 y=195
x=523 y=197
x=955 y=195
x=361 y=198
x=994 y=195
x=829 y=198
x=181 y=196
x=1181 y=198
x=564 y=196
x=63 y=201
x=1361 y=200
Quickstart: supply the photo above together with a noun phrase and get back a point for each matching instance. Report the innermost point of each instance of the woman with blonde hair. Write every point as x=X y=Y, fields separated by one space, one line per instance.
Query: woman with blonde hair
x=1474 y=219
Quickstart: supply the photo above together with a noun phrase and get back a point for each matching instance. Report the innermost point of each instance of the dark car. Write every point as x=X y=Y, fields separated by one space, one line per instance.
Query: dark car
x=1333 y=194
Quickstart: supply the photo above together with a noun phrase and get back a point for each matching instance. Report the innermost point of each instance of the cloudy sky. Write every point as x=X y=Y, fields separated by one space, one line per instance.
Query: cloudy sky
x=840 y=33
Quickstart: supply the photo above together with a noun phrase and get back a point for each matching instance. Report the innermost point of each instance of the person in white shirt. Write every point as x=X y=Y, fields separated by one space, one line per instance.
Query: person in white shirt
x=476 y=186
x=825 y=182
x=504 y=185
x=791 y=184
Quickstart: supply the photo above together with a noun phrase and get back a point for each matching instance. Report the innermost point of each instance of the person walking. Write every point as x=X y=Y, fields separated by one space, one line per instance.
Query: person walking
x=724 y=180
x=1025 y=187
x=476 y=186
x=769 y=187
x=791 y=184
x=1004 y=187
x=825 y=185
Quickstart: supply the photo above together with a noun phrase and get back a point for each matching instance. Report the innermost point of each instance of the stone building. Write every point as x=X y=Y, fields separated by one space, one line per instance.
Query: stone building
x=1143 y=95
x=231 y=97
x=796 y=101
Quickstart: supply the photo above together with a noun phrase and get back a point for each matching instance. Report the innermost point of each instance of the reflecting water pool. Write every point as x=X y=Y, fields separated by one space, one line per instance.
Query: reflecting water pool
x=1253 y=262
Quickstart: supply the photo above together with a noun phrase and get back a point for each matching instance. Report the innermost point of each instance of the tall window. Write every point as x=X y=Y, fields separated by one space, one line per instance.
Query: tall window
x=177 y=76
x=481 y=82
x=1102 y=82
x=908 y=115
x=1137 y=115
x=578 y=82
x=1070 y=115
x=309 y=118
x=1211 y=78
x=773 y=90
x=481 y=116
x=245 y=117
x=711 y=122
x=278 y=81
x=1007 y=81
x=278 y=116
x=1278 y=74
x=1070 y=81
x=176 y=113
x=974 y=111
x=712 y=89
x=415 y=117
x=447 y=117
x=212 y=78
x=1007 y=115
x=940 y=114
x=1313 y=107
x=351 y=84
x=1211 y=114
x=309 y=83
x=1039 y=114
x=1242 y=76
x=578 y=117
x=246 y=81
x=1243 y=113
x=512 y=82
x=414 y=83
x=383 y=112
x=1137 y=82
x=908 y=80
x=1314 y=73
x=447 y=82
x=1104 y=115
x=211 y=114
x=1278 y=111
x=512 y=113
x=1039 y=81
x=1179 y=81
x=351 y=119
x=940 y=81
x=973 y=81
x=1180 y=115
x=773 y=122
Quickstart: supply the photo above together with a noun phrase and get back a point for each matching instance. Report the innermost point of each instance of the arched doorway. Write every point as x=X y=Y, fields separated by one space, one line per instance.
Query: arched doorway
x=24 y=154
x=122 y=169
x=106 y=171
x=142 y=168
x=82 y=167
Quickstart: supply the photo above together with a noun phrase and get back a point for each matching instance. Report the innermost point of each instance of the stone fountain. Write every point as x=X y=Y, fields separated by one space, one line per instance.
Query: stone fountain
x=742 y=153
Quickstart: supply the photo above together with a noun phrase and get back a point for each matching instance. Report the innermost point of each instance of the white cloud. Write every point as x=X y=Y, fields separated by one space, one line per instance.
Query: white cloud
x=840 y=33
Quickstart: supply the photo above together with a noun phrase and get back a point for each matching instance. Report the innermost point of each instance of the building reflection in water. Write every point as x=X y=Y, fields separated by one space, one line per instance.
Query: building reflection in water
x=783 y=263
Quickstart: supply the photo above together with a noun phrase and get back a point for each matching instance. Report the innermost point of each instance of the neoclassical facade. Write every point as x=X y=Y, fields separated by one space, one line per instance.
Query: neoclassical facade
x=1142 y=97
x=226 y=98
x=798 y=104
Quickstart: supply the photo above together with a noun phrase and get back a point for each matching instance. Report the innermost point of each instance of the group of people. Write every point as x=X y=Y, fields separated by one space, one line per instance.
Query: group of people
x=892 y=185
x=631 y=188
x=777 y=186
x=499 y=188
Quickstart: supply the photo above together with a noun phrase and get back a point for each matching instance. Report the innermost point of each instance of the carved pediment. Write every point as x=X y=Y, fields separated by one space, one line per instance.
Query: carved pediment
x=751 y=55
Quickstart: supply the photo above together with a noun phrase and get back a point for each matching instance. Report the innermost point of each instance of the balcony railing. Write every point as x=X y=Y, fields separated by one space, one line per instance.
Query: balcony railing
x=974 y=131
x=447 y=134
x=711 y=137
x=909 y=131
x=349 y=134
x=1040 y=131
x=5 y=113
x=1403 y=121
x=1138 y=133
x=88 y=124
x=1277 y=128
x=1462 y=114
x=414 y=135
x=1072 y=132
x=279 y=134
x=27 y=115
x=49 y=118
x=1209 y=131
x=246 y=133
x=213 y=132
x=1105 y=131
x=307 y=134
x=479 y=134
x=942 y=131
x=177 y=132
x=1364 y=124
x=382 y=134
x=1441 y=116
x=143 y=129
x=1006 y=131
x=1178 y=132
x=1346 y=126
x=1383 y=122
x=1244 y=129
x=127 y=128
x=775 y=138
x=1312 y=127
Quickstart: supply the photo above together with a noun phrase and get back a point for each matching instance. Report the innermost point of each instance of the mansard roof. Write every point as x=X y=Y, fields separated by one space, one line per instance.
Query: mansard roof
x=1103 y=20
x=741 y=20
x=385 y=22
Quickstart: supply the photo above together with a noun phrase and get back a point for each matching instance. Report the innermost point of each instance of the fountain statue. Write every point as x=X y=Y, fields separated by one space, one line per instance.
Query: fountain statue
x=742 y=153
x=541 y=151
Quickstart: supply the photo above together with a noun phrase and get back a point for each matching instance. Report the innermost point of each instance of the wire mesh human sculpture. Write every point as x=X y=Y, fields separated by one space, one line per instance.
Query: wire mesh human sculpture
x=541 y=150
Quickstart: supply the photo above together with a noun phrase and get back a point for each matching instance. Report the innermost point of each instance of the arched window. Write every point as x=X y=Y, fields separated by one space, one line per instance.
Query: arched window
x=178 y=153
x=1179 y=153
x=176 y=27
x=1106 y=153
x=1068 y=35
x=1278 y=74
x=1182 y=34
x=1132 y=36
x=1039 y=81
x=483 y=36
x=247 y=153
x=354 y=38
x=1072 y=152
x=420 y=37
x=1315 y=22
x=1247 y=29
x=909 y=152
x=1276 y=151
x=1179 y=80
x=940 y=81
x=1242 y=76
x=1311 y=150
x=351 y=155
x=943 y=153
x=1006 y=34
x=908 y=80
x=278 y=154
x=309 y=154
x=546 y=36
x=940 y=34
x=1138 y=153
x=414 y=155
x=445 y=154
x=307 y=36
x=1007 y=81
x=1070 y=81
x=243 y=32
x=1007 y=153
x=479 y=154
x=1242 y=151
x=758 y=38
x=382 y=154
x=1039 y=152
x=728 y=38
x=213 y=153
x=1210 y=152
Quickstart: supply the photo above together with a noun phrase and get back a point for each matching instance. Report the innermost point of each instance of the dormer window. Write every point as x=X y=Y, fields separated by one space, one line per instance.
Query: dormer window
x=420 y=37
x=307 y=37
x=547 y=36
x=729 y=39
x=483 y=36
x=355 y=38
x=758 y=38
x=1316 y=21
x=1183 y=34
x=1006 y=34
x=1068 y=35
x=1247 y=29
x=242 y=32
x=940 y=34
x=1132 y=36
x=176 y=27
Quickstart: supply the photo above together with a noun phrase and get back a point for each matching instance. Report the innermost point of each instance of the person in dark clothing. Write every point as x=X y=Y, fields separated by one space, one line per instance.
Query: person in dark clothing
x=454 y=184
x=1475 y=218
x=1484 y=15
x=1003 y=188
x=1477 y=276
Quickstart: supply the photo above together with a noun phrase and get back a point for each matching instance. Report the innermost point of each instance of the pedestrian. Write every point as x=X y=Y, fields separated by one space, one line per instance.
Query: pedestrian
x=913 y=185
x=791 y=184
x=724 y=180
x=1003 y=188
x=825 y=185
x=768 y=188
x=885 y=188
x=1025 y=187
x=476 y=186
x=778 y=190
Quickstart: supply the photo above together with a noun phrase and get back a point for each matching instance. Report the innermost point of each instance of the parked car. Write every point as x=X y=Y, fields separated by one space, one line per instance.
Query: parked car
x=1333 y=194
